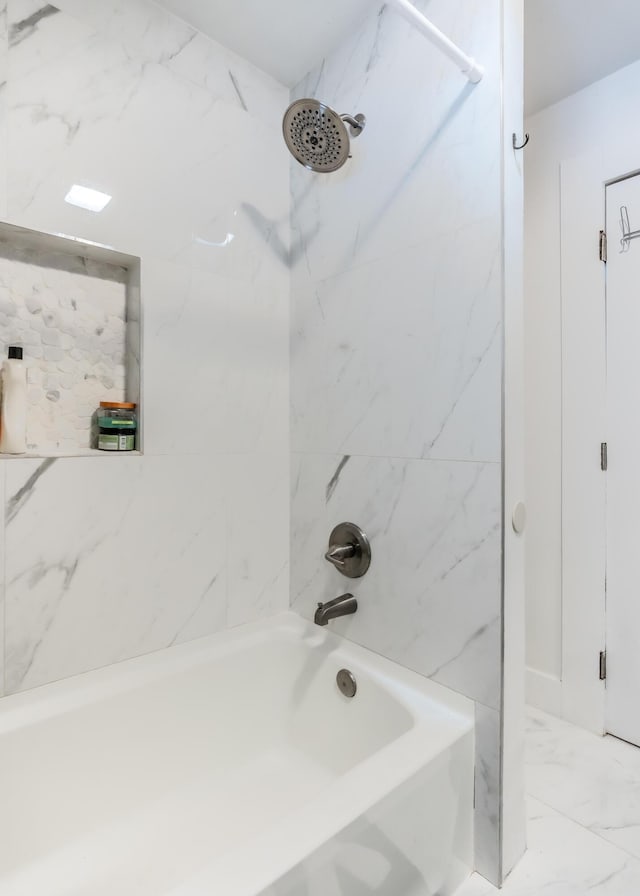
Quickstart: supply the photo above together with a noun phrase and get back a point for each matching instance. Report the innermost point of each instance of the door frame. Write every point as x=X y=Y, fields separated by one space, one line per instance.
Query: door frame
x=583 y=288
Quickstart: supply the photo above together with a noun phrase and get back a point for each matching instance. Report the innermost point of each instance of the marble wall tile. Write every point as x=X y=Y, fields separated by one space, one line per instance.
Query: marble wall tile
x=396 y=359
x=216 y=367
x=194 y=178
x=430 y=599
x=487 y=792
x=157 y=36
x=112 y=557
x=129 y=21
x=4 y=54
x=146 y=32
x=2 y=582
x=428 y=161
x=258 y=533
x=233 y=79
x=402 y=357
x=109 y=558
x=39 y=34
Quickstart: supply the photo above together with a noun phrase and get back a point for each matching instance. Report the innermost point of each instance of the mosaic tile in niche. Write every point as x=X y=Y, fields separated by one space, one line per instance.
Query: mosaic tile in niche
x=70 y=318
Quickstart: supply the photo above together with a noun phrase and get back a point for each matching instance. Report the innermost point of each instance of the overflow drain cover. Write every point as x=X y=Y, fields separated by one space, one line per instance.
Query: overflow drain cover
x=346 y=683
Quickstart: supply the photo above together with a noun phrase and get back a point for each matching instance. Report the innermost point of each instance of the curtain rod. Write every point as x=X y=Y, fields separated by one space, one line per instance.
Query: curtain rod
x=467 y=65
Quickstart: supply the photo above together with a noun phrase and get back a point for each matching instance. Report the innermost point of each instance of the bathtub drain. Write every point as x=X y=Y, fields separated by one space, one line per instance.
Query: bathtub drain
x=346 y=683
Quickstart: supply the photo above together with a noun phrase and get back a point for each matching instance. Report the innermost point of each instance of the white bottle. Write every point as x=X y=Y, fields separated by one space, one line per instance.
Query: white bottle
x=13 y=422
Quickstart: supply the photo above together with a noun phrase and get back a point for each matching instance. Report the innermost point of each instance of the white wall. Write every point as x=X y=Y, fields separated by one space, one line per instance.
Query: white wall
x=599 y=116
x=396 y=353
x=110 y=557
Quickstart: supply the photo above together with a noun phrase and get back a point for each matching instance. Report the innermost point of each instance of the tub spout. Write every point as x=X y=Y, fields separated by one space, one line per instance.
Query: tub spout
x=344 y=605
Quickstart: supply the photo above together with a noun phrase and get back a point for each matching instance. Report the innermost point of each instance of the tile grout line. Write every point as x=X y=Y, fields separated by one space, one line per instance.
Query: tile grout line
x=407 y=457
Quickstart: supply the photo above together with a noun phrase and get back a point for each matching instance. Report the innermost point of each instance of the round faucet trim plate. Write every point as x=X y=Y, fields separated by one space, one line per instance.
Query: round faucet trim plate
x=349 y=550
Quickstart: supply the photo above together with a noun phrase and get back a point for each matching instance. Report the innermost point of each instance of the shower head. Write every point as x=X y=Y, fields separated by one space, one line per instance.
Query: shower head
x=317 y=136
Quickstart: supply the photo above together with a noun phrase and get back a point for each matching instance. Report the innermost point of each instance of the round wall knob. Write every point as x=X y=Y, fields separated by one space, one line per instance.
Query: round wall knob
x=519 y=518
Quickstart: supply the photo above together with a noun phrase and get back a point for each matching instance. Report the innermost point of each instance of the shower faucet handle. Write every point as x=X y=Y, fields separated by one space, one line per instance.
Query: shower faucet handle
x=339 y=553
x=349 y=550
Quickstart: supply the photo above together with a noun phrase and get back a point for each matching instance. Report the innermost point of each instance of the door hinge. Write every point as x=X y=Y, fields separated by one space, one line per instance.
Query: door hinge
x=603 y=665
x=604 y=456
x=603 y=246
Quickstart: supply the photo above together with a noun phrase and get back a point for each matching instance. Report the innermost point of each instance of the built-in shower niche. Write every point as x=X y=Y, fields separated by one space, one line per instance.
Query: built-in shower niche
x=74 y=308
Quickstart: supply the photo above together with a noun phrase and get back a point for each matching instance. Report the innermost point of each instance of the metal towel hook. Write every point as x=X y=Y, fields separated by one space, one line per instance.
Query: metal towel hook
x=514 y=141
x=627 y=233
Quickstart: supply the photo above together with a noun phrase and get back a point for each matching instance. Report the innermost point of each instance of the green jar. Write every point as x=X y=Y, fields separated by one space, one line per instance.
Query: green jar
x=117 y=426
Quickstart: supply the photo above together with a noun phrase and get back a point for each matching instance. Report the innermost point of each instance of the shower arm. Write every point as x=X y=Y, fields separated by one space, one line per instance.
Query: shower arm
x=356 y=123
x=467 y=65
x=352 y=121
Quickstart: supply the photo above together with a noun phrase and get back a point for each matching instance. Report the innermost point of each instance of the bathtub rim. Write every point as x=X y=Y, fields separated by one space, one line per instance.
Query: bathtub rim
x=411 y=689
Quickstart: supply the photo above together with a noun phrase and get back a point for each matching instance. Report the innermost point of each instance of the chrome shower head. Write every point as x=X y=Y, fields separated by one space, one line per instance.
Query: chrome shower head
x=317 y=136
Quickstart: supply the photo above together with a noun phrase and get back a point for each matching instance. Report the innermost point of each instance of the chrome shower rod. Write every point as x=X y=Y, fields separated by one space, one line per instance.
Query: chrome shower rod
x=467 y=65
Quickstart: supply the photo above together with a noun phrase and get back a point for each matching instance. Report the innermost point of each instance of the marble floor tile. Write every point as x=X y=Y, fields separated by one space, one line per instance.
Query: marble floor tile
x=582 y=806
x=476 y=886
x=593 y=780
x=564 y=859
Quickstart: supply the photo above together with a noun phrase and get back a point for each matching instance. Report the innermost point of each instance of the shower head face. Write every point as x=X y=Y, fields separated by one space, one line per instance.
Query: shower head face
x=316 y=136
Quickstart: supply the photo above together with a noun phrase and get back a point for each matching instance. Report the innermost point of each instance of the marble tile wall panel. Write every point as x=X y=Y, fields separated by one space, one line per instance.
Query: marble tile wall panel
x=92 y=545
x=111 y=557
x=429 y=598
x=402 y=357
x=258 y=533
x=2 y=582
x=396 y=359
x=155 y=140
x=487 y=792
x=4 y=53
x=409 y=330
x=154 y=35
x=39 y=34
x=427 y=163
x=216 y=362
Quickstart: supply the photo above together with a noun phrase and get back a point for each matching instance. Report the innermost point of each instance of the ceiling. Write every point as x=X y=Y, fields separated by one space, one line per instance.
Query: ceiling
x=286 y=38
x=569 y=44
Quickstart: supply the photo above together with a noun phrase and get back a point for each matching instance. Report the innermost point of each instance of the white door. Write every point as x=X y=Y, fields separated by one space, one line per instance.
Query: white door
x=623 y=475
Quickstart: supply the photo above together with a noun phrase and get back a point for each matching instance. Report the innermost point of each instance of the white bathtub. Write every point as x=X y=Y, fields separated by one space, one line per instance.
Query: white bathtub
x=233 y=766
